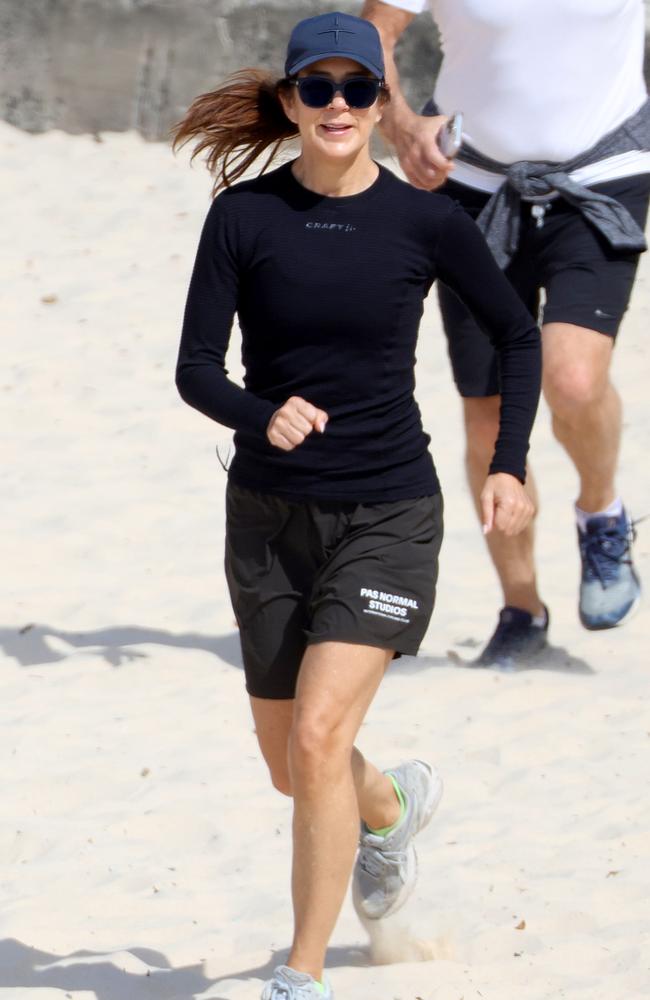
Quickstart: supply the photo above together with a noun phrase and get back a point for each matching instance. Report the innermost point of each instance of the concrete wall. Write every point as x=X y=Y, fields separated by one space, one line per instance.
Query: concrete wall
x=97 y=65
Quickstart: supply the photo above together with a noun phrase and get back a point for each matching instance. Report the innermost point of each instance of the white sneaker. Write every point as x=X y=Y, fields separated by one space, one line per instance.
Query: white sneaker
x=386 y=868
x=287 y=984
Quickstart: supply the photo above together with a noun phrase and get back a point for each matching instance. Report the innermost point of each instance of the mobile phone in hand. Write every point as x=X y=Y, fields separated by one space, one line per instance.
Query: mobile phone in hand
x=450 y=136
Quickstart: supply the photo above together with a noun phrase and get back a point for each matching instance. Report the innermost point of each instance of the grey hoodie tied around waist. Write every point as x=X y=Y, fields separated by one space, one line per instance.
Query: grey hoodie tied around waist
x=500 y=218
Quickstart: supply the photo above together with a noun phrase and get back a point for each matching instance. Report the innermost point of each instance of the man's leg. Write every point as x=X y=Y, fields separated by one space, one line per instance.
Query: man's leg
x=587 y=421
x=586 y=407
x=523 y=621
x=513 y=557
x=586 y=412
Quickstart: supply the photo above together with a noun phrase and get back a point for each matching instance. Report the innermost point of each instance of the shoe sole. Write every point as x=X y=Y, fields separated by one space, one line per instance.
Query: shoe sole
x=431 y=804
x=434 y=795
x=630 y=613
x=434 y=792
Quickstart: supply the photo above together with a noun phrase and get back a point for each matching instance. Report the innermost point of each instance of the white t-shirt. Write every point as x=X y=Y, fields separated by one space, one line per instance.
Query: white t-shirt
x=540 y=79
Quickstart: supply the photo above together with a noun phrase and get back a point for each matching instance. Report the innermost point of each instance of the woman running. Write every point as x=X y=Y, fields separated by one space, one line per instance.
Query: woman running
x=334 y=513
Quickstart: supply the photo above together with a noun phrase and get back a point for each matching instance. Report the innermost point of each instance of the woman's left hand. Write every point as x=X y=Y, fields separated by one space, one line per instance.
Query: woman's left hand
x=505 y=504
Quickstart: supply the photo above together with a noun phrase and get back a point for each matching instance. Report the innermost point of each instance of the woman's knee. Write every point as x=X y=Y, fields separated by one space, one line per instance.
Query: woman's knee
x=317 y=747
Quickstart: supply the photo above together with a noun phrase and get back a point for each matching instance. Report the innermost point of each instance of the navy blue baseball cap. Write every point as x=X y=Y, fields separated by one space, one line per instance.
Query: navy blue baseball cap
x=334 y=34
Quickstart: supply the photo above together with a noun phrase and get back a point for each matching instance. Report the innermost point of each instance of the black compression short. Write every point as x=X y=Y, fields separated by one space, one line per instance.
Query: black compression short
x=586 y=282
x=302 y=572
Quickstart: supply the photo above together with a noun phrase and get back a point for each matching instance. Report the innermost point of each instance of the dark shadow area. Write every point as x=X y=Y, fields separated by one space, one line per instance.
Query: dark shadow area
x=337 y=958
x=23 y=967
x=29 y=646
x=553 y=658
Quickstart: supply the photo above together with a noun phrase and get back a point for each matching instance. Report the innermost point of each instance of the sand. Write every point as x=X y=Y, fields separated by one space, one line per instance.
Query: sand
x=143 y=851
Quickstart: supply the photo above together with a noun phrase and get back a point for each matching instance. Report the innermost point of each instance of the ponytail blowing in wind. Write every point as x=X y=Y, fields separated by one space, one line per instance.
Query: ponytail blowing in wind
x=235 y=124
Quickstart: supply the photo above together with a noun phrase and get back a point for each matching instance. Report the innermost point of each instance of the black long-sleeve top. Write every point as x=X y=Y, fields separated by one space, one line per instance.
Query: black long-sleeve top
x=329 y=294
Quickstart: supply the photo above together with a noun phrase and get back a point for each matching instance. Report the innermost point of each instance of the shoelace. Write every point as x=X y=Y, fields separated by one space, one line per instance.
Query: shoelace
x=283 y=993
x=280 y=991
x=604 y=551
x=375 y=862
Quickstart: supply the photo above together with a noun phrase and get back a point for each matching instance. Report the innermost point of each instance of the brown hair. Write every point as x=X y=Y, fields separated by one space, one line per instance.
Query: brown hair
x=236 y=123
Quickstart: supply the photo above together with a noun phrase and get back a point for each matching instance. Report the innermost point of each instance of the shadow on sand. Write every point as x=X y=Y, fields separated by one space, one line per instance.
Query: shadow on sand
x=23 y=967
x=337 y=957
x=29 y=645
x=553 y=658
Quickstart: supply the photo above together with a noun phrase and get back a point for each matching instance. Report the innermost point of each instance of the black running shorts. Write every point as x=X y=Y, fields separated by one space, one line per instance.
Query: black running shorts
x=586 y=282
x=302 y=572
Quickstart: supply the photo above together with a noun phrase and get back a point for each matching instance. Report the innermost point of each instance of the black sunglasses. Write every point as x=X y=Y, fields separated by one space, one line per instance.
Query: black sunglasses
x=319 y=91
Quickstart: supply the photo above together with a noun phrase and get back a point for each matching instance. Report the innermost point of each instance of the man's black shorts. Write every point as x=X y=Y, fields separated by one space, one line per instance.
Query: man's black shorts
x=302 y=572
x=586 y=282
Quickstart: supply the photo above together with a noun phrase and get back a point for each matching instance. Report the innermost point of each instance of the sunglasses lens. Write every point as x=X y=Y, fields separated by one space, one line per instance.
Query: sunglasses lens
x=315 y=92
x=360 y=93
x=318 y=92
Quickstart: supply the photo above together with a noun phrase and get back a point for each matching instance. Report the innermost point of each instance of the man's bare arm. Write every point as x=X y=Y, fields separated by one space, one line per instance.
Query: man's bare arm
x=412 y=135
x=391 y=23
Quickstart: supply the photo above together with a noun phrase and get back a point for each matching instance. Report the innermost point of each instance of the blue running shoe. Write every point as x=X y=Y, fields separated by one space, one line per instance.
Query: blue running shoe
x=610 y=589
x=516 y=640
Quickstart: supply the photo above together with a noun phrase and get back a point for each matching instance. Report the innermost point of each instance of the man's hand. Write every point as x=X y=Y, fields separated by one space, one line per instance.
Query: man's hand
x=418 y=152
x=290 y=425
x=505 y=505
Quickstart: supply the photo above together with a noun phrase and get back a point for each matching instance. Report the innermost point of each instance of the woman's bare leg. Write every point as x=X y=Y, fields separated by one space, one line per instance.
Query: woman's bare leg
x=308 y=745
x=336 y=684
x=376 y=799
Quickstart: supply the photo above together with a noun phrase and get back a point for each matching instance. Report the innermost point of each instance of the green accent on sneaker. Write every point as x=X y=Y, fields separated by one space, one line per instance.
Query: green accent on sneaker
x=385 y=871
x=385 y=830
x=319 y=986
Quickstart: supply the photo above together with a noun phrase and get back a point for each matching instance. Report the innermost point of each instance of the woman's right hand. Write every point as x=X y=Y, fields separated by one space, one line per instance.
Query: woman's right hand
x=418 y=151
x=293 y=422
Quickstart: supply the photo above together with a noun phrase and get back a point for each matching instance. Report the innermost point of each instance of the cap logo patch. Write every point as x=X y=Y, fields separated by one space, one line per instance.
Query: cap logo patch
x=336 y=31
